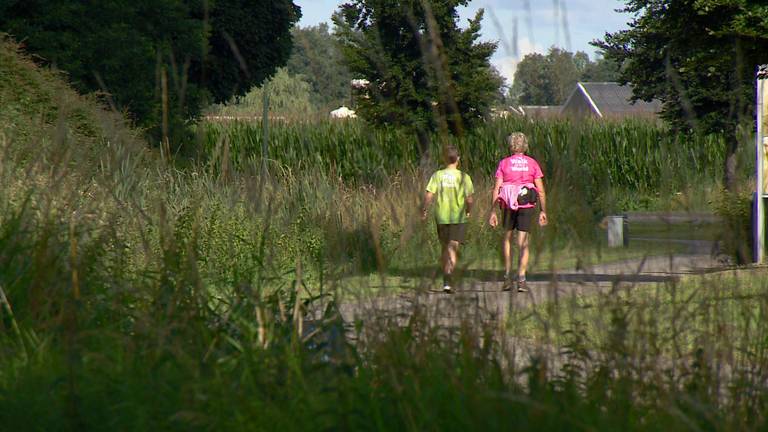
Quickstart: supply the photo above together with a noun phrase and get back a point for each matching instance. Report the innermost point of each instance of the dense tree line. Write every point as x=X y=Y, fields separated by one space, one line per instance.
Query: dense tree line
x=549 y=79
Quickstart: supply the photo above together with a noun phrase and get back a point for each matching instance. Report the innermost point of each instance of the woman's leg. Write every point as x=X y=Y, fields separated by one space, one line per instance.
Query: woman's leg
x=506 y=249
x=522 y=264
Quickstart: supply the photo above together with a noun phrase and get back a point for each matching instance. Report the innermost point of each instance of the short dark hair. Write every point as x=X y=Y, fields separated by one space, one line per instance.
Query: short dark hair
x=451 y=154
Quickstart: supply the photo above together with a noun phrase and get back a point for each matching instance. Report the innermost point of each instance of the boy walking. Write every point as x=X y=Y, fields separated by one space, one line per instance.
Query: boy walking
x=453 y=190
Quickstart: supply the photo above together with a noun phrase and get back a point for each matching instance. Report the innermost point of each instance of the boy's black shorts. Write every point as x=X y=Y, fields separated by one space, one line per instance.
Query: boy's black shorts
x=451 y=232
x=520 y=219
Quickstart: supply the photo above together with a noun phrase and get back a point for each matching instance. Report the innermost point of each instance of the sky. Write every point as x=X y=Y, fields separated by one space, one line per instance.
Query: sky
x=569 y=24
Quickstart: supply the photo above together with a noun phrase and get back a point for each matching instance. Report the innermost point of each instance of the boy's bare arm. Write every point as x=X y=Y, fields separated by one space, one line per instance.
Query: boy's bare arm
x=428 y=197
x=469 y=202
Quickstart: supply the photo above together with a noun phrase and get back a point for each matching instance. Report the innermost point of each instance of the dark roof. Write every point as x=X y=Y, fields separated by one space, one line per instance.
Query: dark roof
x=612 y=99
x=541 y=111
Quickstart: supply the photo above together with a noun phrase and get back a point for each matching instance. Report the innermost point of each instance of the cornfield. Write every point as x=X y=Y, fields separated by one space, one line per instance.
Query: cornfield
x=639 y=157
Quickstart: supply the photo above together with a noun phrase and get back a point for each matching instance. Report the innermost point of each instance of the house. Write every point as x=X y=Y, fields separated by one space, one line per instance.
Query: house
x=539 y=111
x=607 y=100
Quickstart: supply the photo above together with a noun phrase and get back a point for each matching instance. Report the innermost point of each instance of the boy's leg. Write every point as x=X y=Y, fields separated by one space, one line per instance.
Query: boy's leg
x=448 y=262
x=443 y=234
x=451 y=252
x=451 y=238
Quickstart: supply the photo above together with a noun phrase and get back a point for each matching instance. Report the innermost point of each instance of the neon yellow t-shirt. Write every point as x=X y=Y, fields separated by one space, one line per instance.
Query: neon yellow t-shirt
x=451 y=187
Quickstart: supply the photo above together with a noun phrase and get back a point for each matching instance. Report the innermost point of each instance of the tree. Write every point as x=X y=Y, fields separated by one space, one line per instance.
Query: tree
x=290 y=96
x=699 y=58
x=561 y=67
x=249 y=40
x=425 y=72
x=601 y=70
x=143 y=52
x=550 y=79
x=531 y=85
x=317 y=57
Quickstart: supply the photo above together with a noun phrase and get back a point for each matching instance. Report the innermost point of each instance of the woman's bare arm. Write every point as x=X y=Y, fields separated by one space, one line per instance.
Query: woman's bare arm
x=493 y=219
x=539 y=183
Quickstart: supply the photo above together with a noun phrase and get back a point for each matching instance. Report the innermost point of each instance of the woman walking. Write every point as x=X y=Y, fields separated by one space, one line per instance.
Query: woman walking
x=518 y=187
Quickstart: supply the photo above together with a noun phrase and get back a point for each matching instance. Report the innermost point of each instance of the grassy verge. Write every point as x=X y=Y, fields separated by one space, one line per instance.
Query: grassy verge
x=720 y=310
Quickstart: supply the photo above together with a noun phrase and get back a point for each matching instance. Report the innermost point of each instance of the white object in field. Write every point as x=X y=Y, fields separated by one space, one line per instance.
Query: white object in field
x=616 y=232
x=343 y=113
x=762 y=160
x=360 y=83
x=502 y=114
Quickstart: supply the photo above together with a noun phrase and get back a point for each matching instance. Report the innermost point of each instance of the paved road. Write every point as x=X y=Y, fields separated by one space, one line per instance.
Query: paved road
x=482 y=305
x=481 y=300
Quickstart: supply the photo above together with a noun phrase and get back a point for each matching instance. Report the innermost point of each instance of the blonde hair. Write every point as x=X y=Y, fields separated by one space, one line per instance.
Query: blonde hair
x=517 y=142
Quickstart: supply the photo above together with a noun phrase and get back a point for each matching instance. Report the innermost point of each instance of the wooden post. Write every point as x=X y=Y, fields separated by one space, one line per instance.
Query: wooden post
x=616 y=231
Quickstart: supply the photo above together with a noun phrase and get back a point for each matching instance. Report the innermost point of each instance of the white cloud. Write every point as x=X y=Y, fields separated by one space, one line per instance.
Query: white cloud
x=507 y=63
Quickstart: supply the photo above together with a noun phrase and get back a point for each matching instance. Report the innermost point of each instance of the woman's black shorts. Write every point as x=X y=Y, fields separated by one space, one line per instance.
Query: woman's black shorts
x=520 y=219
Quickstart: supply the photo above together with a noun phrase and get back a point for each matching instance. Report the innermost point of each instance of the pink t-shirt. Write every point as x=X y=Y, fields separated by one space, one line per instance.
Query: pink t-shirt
x=518 y=169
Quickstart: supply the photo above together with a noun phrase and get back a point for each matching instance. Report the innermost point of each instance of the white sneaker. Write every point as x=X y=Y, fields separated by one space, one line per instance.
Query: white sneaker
x=447 y=289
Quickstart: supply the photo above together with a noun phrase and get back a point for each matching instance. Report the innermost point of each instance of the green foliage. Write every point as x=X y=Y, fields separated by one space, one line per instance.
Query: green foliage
x=425 y=71
x=248 y=41
x=699 y=47
x=38 y=104
x=600 y=70
x=735 y=210
x=290 y=97
x=699 y=58
x=128 y=48
x=530 y=85
x=317 y=57
x=550 y=79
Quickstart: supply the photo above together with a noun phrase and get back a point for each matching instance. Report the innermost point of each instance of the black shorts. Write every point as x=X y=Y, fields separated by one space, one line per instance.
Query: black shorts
x=520 y=219
x=451 y=232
